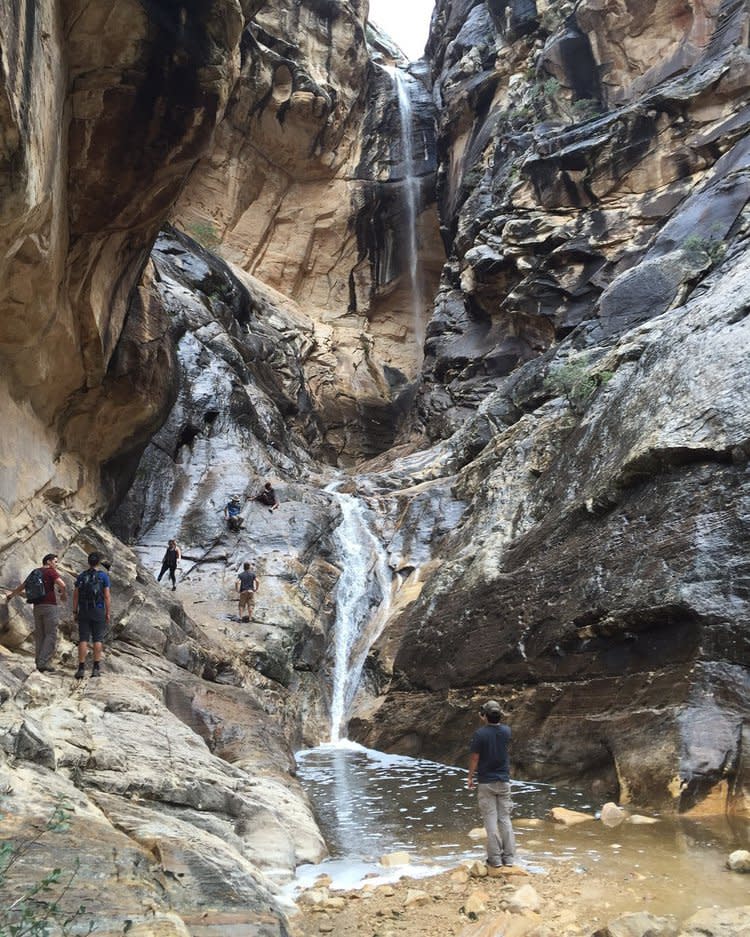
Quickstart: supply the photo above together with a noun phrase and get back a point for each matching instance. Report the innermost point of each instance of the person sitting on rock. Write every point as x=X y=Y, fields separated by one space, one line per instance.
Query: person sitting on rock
x=268 y=497
x=232 y=513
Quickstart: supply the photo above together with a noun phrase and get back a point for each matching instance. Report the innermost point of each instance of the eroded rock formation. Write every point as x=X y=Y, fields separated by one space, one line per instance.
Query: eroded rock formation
x=303 y=189
x=567 y=534
x=91 y=164
x=594 y=207
x=172 y=769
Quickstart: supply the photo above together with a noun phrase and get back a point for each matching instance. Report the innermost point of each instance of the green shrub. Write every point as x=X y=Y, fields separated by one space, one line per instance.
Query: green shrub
x=574 y=381
x=40 y=906
x=586 y=108
x=551 y=88
x=713 y=246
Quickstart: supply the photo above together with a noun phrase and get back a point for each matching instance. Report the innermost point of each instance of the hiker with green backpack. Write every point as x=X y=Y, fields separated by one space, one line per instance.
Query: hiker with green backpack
x=91 y=608
x=45 y=590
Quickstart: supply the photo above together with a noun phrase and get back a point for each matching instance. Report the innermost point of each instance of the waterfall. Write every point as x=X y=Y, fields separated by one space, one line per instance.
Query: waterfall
x=410 y=189
x=362 y=599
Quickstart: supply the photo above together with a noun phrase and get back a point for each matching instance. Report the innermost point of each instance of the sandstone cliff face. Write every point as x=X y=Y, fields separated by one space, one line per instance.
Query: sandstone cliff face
x=594 y=202
x=123 y=103
x=572 y=537
x=304 y=189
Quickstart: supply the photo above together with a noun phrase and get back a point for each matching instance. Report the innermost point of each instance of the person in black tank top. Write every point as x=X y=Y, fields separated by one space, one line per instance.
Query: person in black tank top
x=169 y=563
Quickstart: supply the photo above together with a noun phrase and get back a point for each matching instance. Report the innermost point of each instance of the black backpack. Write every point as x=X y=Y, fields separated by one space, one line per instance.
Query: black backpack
x=34 y=586
x=89 y=589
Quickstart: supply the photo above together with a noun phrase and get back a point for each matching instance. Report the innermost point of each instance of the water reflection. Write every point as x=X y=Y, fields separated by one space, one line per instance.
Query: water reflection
x=369 y=804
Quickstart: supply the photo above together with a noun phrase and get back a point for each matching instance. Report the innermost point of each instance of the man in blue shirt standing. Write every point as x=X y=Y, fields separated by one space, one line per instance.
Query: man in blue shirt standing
x=91 y=609
x=489 y=772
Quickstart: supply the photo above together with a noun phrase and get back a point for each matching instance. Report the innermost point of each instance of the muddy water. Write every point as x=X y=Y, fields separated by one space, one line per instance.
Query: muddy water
x=369 y=804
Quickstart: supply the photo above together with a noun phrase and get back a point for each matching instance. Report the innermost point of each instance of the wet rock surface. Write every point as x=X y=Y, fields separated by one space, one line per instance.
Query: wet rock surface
x=571 y=173
x=617 y=582
x=561 y=494
x=304 y=189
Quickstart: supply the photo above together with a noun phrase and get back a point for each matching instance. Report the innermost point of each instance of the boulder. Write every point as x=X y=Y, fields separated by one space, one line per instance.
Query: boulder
x=475 y=904
x=415 y=898
x=639 y=924
x=525 y=898
x=739 y=861
x=569 y=817
x=612 y=815
x=718 y=922
x=394 y=859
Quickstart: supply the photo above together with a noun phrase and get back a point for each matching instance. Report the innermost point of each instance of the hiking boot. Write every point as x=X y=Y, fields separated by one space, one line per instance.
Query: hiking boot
x=80 y=673
x=95 y=671
x=246 y=619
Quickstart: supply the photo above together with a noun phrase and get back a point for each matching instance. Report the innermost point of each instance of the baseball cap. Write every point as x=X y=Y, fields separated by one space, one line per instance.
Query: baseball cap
x=491 y=706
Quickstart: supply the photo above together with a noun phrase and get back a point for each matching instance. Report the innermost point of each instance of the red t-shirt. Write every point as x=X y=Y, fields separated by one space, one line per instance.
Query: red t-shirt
x=50 y=577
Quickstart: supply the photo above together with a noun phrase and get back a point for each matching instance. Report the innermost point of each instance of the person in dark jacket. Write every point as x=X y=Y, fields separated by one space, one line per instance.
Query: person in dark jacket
x=489 y=772
x=247 y=586
x=169 y=563
x=268 y=497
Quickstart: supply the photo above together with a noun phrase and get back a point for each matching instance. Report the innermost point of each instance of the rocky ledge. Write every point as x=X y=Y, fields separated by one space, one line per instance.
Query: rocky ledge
x=170 y=778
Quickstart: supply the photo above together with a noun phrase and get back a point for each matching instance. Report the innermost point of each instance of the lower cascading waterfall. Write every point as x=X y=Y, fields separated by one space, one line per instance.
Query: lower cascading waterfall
x=362 y=597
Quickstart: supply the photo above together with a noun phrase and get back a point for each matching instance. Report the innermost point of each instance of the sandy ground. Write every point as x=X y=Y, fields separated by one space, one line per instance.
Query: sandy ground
x=561 y=902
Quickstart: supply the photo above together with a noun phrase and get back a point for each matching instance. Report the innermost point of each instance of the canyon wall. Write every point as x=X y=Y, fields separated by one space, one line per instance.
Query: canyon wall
x=205 y=285
x=146 y=385
x=303 y=188
x=584 y=363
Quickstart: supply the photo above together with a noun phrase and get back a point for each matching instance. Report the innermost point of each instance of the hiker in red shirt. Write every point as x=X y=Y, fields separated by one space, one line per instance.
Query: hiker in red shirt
x=46 y=609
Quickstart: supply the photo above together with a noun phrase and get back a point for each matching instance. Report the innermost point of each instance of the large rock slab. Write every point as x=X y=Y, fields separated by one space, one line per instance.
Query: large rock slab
x=594 y=587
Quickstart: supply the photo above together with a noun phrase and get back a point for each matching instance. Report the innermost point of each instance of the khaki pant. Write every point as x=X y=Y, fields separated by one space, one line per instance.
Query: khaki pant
x=247 y=601
x=45 y=633
x=495 y=806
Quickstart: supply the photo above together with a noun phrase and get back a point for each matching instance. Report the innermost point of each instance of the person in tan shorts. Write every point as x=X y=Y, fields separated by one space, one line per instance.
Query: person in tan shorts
x=247 y=586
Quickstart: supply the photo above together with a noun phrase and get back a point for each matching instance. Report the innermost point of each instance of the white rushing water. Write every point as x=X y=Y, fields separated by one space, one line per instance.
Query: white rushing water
x=362 y=599
x=410 y=189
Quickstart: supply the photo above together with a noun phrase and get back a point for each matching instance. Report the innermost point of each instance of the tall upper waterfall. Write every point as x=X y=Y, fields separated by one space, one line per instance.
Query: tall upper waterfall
x=362 y=600
x=410 y=188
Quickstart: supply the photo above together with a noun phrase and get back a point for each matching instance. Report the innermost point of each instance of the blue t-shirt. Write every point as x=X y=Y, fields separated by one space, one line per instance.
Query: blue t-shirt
x=491 y=744
x=103 y=584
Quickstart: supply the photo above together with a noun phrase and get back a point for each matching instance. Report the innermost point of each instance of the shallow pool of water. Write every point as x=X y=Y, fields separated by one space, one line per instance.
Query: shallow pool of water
x=369 y=804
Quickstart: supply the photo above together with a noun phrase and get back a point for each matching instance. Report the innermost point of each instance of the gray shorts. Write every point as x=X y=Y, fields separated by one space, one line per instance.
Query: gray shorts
x=91 y=626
